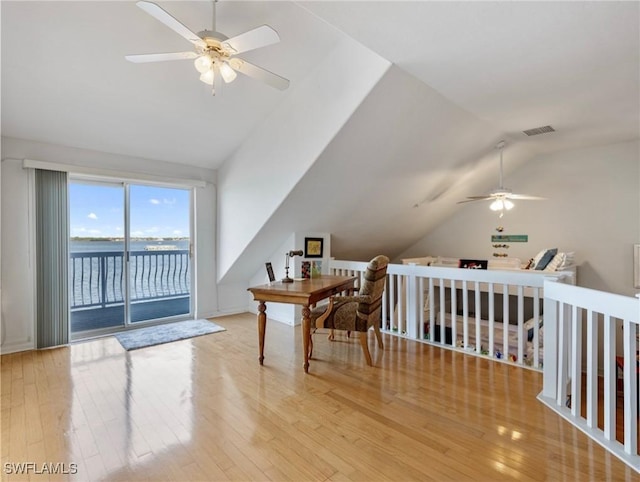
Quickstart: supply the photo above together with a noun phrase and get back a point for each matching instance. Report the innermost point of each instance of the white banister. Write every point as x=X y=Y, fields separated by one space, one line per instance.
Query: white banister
x=609 y=379
x=592 y=369
x=567 y=310
x=423 y=303
x=457 y=308
x=630 y=387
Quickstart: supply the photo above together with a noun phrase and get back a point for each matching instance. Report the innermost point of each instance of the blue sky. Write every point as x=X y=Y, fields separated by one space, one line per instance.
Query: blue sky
x=98 y=211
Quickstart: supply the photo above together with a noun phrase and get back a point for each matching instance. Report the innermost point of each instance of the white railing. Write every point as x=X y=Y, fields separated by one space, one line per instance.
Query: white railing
x=576 y=362
x=465 y=309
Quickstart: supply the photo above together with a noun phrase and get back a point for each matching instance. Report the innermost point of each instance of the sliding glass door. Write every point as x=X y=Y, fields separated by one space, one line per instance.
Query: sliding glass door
x=130 y=255
x=97 y=250
x=159 y=252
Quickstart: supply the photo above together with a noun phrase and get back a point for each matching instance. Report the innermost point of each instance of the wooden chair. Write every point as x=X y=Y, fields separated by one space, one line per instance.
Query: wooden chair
x=359 y=312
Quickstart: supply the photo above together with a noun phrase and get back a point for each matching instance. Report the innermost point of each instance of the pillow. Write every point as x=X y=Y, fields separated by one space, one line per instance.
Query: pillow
x=536 y=259
x=546 y=259
x=557 y=261
x=568 y=259
x=529 y=325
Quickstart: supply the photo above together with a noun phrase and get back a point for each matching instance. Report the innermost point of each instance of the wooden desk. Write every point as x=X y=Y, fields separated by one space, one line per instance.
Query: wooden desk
x=306 y=293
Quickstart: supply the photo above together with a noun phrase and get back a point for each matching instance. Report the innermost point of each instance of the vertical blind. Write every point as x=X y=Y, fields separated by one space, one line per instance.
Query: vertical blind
x=52 y=255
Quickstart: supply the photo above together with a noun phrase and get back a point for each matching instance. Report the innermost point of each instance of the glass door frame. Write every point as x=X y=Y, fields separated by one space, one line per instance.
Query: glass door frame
x=125 y=184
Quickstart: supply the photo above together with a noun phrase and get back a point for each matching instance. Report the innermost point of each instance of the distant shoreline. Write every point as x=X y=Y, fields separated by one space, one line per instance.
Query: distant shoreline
x=156 y=239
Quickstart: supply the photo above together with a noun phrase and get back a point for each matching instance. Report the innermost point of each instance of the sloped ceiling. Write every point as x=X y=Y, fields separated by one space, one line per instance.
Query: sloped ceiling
x=517 y=65
x=65 y=79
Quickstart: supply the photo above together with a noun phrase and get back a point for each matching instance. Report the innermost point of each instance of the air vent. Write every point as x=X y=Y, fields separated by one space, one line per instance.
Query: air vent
x=539 y=130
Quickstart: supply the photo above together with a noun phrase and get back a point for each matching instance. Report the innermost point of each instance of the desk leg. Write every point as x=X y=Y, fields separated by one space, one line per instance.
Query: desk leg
x=306 y=335
x=262 y=325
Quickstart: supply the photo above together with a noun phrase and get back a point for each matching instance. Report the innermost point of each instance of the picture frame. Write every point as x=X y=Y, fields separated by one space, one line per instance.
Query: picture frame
x=306 y=269
x=313 y=247
x=270 y=273
x=473 y=264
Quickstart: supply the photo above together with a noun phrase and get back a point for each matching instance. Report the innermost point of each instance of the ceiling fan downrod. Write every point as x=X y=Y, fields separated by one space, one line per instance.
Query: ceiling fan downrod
x=500 y=145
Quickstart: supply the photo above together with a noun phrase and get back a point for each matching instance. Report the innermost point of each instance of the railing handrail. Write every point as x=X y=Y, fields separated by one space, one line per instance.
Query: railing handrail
x=619 y=306
x=528 y=278
x=83 y=254
x=166 y=274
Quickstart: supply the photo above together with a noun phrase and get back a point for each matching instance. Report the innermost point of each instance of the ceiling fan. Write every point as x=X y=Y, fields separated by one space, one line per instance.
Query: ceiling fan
x=501 y=196
x=214 y=54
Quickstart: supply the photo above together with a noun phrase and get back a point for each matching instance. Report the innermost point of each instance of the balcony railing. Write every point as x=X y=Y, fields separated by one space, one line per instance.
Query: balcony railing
x=97 y=278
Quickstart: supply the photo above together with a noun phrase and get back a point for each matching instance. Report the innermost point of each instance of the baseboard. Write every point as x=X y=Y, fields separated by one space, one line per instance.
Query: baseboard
x=16 y=347
x=229 y=312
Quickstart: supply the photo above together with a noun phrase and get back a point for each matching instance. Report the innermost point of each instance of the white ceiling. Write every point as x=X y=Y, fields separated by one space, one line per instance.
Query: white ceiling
x=516 y=65
x=65 y=79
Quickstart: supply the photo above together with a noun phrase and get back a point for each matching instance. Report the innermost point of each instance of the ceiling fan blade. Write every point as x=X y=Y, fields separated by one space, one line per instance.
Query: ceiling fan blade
x=524 y=197
x=143 y=58
x=253 y=39
x=479 y=198
x=475 y=198
x=259 y=73
x=162 y=16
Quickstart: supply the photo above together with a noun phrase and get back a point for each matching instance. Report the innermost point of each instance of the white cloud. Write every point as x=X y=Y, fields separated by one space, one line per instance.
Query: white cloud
x=154 y=201
x=92 y=216
x=94 y=231
x=118 y=228
x=137 y=233
x=152 y=230
x=170 y=202
x=177 y=231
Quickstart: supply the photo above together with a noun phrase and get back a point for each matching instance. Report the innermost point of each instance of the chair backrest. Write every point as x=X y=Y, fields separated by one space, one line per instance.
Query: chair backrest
x=373 y=285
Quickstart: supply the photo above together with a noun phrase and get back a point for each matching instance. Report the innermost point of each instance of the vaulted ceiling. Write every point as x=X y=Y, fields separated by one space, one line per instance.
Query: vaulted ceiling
x=465 y=75
x=516 y=65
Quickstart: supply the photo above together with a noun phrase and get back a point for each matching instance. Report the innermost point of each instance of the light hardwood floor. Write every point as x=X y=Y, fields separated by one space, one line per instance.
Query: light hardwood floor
x=204 y=409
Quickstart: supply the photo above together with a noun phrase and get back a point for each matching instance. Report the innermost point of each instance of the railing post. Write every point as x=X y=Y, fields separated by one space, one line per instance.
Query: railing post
x=412 y=307
x=550 y=345
x=630 y=381
x=103 y=280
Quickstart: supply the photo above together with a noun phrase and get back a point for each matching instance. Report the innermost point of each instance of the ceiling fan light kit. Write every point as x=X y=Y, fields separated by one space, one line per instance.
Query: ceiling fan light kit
x=501 y=197
x=500 y=204
x=213 y=56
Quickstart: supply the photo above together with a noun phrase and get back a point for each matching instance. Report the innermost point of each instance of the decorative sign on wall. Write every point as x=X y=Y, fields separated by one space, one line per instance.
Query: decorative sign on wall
x=510 y=238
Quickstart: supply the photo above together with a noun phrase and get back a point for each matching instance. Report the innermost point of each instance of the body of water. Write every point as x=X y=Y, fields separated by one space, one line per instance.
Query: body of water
x=135 y=245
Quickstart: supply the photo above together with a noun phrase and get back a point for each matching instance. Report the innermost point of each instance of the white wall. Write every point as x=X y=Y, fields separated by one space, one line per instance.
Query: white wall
x=592 y=208
x=268 y=165
x=282 y=312
x=18 y=284
x=16 y=246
